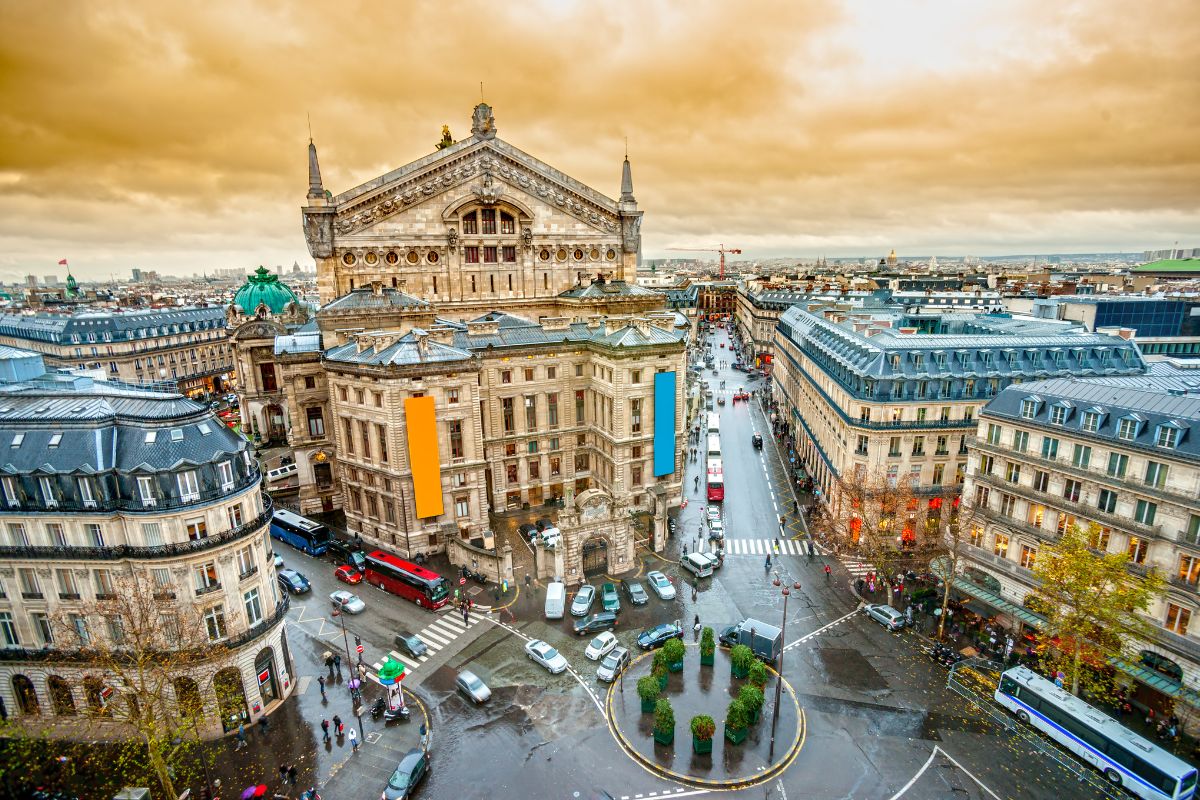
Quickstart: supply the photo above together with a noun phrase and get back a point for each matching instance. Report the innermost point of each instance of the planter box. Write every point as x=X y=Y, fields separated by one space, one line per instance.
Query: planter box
x=701 y=745
x=754 y=714
x=664 y=737
x=738 y=673
x=736 y=735
x=707 y=660
x=662 y=684
x=676 y=667
x=648 y=706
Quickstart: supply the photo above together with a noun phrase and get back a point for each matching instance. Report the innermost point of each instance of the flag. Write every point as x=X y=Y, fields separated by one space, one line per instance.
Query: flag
x=62 y=262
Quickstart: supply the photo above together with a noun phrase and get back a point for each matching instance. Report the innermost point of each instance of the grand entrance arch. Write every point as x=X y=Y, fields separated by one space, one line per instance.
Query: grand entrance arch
x=594 y=554
x=231 y=698
x=264 y=667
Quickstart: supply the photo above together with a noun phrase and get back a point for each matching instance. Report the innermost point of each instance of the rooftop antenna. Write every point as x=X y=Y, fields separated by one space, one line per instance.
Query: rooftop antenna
x=481 y=92
x=627 y=148
x=309 y=115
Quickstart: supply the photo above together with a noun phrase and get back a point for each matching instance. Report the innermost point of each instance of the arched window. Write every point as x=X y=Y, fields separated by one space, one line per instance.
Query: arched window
x=27 y=700
x=97 y=694
x=61 y=696
x=187 y=696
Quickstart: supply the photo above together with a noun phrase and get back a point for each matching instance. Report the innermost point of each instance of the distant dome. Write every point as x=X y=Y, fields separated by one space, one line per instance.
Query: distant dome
x=263 y=287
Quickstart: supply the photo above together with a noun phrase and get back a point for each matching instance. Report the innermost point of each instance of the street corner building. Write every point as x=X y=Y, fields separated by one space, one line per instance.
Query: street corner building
x=101 y=484
x=482 y=351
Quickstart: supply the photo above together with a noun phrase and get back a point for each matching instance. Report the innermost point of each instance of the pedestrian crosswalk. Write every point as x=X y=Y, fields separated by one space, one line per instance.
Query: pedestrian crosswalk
x=856 y=568
x=436 y=635
x=761 y=547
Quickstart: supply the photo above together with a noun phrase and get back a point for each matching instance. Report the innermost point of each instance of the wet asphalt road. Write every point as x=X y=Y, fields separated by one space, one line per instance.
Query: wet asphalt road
x=880 y=722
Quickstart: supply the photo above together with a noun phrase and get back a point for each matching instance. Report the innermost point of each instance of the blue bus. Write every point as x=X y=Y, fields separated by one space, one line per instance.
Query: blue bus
x=299 y=532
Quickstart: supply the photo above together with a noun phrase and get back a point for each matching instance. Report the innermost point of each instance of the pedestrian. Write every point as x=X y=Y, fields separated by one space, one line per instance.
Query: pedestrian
x=325 y=730
x=466 y=614
x=527 y=580
x=362 y=671
x=263 y=725
x=353 y=736
x=337 y=724
x=908 y=616
x=321 y=682
x=283 y=773
x=241 y=736
x=829 y=572
x=291 y=774
x=329 y=661
x=337 y=663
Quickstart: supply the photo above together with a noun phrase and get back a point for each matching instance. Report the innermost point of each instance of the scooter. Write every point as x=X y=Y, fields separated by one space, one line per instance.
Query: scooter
x=393 y=714
x=379 y=707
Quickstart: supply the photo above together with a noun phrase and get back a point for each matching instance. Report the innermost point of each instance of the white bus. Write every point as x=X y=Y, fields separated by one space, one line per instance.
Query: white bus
x=1124 y=758
x=714 y=445
x=714 y=423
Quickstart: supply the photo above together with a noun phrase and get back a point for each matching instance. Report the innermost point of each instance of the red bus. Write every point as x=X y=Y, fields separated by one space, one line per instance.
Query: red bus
x=716 y=480
x=424 y=587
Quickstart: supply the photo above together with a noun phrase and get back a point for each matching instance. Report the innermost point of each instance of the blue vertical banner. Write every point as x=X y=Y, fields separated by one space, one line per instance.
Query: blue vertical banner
x=664 y=423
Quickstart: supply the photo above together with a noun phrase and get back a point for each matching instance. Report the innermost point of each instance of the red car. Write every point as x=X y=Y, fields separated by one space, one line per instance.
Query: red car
x=347 y=574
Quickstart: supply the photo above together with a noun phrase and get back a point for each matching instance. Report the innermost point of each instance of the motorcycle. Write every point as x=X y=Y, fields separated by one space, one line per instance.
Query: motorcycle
x=478 y=577
x=393 y=714
x=379 y=707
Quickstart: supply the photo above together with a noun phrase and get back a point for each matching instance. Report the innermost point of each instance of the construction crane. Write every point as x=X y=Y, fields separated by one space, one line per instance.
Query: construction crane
x=718 y=249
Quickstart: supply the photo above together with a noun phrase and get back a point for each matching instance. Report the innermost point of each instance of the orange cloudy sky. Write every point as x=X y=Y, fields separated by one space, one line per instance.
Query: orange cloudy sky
x=172 y=136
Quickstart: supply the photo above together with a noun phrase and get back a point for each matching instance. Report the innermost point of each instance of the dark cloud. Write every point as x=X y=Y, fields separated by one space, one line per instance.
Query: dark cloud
x=171 y=135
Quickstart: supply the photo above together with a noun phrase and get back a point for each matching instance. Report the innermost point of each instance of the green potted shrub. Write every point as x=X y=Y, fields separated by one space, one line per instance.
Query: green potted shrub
x=752 y=698
x=649 y=690
x=708 y=646
x=758 y=674
x=740 y=659
x=703 y=728
x=737 y=720
x=673 y=652
x=664 y=722
x=659 y=669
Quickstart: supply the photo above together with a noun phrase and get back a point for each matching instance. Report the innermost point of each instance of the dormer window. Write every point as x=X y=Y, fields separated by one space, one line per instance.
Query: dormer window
x=151 y=436
x=1091 y=421
x=1029 y=407
x=55 y=440
x=1059 y=413
x=1127 y=428
x=177 y=434
x=918 y=359
x=1168 y=435
x=18 y=439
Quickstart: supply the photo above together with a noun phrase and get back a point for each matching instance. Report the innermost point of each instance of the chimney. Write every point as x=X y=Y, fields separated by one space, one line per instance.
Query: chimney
x=594 y=322
x=556 y=323
x=442 y=334
x=483 y=328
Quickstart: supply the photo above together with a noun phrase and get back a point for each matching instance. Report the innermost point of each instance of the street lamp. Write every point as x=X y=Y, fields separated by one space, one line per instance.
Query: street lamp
x=785 y=591
x=354 y=681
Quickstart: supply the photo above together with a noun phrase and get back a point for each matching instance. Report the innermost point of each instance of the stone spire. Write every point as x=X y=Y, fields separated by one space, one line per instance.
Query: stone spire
x=627 y=182
x=315 y=190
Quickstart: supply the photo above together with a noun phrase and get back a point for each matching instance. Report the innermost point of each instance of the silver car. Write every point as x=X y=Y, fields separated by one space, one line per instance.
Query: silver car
x=546 y=655
x=469 y=684
x=345 y=601
x=886 y=616
x=616 y=660
x=582 y=603
x=661 y=585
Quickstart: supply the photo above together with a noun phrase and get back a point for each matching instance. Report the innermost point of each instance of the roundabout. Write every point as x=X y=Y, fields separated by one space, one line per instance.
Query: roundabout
x=704 y=690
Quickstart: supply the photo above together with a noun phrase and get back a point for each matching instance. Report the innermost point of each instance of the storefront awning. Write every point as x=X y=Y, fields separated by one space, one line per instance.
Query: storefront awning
x=999 y=603
x=1157 y=681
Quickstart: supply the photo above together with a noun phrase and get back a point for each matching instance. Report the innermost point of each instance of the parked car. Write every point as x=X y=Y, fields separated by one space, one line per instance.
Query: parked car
x=292 y=581
x=716 y=529
x=635 y=592
x=411 y=770
x=350 y=603
x=609 y=599
x=616 y=660
x=757 y=441
x=347 y=574
x=528 y=532
x=661 y=585
x=886 y=616
x=600 y=646
x=582 y=603
x=713 y=513
x=657 y=636
x=411 y=643
x=600 y=621
x=546 y=655
x=469 y=684
x=714 y=561
x=278 y=559
x=346 y=551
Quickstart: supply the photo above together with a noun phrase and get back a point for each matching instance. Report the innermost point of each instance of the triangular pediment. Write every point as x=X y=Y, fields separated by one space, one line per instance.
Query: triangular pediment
x=485 y=166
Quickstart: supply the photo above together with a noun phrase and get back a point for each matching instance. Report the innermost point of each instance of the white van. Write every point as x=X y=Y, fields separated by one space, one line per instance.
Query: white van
x=551 y=538
x=556 y=600
x=697 y=564
x=279 y=473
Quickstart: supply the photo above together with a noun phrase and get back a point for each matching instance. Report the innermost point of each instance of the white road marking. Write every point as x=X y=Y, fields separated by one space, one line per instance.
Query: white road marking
x=917 y=776
x=937 y=749
x=819 y=630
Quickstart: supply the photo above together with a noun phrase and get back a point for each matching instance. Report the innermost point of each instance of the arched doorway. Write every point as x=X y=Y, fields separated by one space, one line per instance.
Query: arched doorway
x=27 y=700
x=594 y=554
x=96 y=694
x=276 y=424
x=187 y=696
x=264 y=668
x=62 y=699
x=231 y=698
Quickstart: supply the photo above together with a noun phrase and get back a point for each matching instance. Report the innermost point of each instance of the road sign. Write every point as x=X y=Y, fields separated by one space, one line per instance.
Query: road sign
x=462 y=581
x=359 y=648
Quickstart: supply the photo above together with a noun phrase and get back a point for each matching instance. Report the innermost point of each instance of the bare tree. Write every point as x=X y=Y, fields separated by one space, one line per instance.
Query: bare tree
x=962 y=527
x=892 y=525
x=136 y=649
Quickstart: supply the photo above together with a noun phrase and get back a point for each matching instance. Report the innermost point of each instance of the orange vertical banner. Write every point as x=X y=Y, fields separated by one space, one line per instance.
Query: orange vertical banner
x=421 y=423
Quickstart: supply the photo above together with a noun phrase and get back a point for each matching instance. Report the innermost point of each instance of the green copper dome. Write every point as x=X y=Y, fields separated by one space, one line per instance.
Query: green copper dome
x=264 y=287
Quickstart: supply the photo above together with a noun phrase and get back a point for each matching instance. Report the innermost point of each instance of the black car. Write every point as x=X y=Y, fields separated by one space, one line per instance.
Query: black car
x=411 y=644
x=411 y=770
x=635 y=592
x=757 y=440
x=528 y=532
x=344 y=551
x=292 y=581
x=658 y=635
x=600 y=621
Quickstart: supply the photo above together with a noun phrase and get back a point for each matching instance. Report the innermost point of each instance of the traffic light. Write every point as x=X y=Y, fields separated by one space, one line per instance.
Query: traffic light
x=357 y=641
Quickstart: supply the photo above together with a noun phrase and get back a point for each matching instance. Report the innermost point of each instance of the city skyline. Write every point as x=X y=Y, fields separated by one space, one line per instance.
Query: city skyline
x=824 y=128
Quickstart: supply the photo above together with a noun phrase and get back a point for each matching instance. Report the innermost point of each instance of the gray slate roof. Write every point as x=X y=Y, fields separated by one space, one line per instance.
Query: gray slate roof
x=119 y=325
x=609 y=289
x=367 y=299
x=414 y=347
